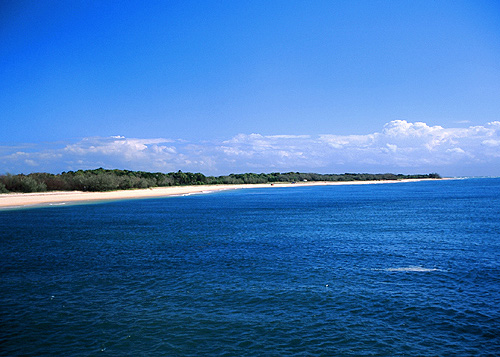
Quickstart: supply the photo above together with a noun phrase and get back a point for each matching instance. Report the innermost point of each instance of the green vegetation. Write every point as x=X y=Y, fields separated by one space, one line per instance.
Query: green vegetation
x=109 y=180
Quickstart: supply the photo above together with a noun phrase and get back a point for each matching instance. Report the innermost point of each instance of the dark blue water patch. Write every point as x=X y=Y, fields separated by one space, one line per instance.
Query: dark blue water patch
x=392 y=269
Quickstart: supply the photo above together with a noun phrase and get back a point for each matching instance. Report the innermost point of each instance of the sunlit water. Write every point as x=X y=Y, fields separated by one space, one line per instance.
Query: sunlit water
x=392 y=269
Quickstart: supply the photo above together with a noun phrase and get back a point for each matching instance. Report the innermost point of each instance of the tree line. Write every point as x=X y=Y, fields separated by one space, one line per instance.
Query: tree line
x=110 y=180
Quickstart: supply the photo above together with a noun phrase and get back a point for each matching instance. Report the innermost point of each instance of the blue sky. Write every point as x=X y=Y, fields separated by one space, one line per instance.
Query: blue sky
x=261 y=86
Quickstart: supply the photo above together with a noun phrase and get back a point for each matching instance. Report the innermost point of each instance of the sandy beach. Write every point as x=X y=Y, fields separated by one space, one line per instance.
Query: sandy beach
x=16 y=200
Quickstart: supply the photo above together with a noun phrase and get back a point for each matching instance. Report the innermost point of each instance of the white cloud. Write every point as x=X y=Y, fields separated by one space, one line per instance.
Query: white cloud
x=456 y=150
x=399 y=146
x=491 y=142
x=339 y=141
x=392 y=147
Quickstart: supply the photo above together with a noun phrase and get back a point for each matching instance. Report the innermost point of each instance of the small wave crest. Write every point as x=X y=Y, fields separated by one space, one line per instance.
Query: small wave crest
x=411 y=268
x=196 y=193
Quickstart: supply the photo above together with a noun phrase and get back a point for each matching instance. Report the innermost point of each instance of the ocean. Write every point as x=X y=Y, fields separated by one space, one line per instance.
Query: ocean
x=406 y=269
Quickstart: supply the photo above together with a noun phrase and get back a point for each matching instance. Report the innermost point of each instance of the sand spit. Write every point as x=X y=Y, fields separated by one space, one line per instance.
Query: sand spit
x=13 y=200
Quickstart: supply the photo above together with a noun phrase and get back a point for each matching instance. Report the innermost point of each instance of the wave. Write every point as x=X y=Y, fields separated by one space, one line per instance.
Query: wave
x=412 y=269
x=196 y=193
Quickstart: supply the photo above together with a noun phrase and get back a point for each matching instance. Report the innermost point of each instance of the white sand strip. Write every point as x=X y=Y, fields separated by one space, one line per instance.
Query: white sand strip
x=44 y=198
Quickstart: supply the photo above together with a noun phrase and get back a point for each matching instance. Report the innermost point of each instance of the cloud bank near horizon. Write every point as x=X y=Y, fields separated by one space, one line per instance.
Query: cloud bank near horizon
x=400 y=147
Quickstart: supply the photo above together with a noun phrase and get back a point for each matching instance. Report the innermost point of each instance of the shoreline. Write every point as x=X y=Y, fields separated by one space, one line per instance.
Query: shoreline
x=39 y=199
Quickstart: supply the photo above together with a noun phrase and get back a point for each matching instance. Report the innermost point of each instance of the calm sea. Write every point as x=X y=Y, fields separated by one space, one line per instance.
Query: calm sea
x=389 y=269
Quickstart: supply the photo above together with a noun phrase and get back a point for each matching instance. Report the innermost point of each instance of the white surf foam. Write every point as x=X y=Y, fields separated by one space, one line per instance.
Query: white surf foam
x=413 y=269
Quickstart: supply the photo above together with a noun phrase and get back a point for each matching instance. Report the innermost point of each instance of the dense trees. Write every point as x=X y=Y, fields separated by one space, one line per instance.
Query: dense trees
x=109 y=180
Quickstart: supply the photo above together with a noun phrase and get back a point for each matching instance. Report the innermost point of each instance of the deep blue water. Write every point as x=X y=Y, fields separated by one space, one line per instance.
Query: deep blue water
x=390 y=269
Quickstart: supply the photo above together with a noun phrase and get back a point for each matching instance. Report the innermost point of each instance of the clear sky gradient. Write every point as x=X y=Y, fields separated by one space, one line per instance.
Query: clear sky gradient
x=238 y=86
